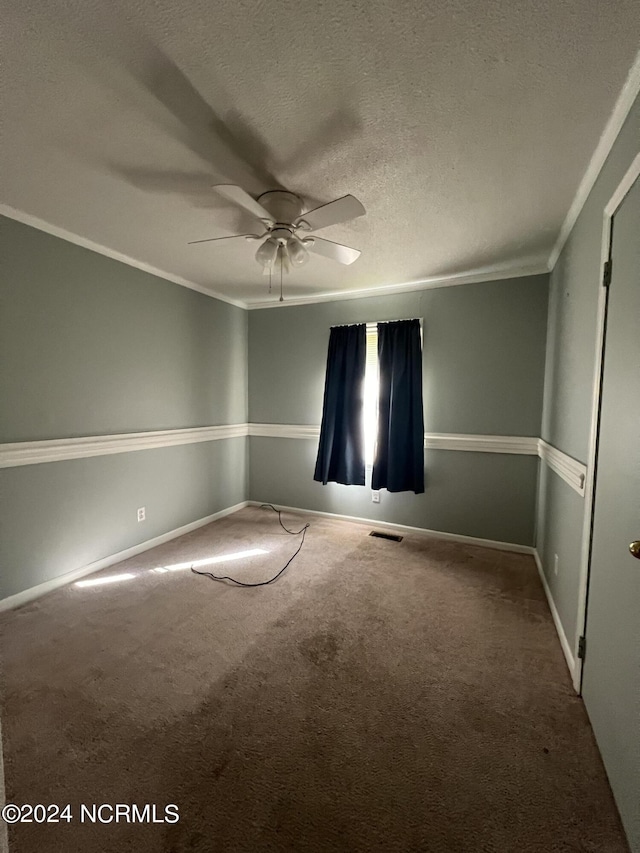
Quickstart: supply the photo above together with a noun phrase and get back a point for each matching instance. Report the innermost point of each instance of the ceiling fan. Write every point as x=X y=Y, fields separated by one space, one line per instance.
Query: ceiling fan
x=286 y=238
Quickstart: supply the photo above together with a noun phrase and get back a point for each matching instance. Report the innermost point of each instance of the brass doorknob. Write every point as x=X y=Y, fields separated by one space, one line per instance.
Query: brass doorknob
x=635 y=549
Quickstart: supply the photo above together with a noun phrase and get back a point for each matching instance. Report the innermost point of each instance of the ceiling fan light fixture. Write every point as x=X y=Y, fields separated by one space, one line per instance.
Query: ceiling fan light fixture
x=267 y=254
x=298 y=254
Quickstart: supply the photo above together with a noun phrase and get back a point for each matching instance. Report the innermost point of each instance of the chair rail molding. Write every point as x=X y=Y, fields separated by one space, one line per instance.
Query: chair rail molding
x=284 y=431
x=572 y=472
x=58 y=450
x=522 y=445
x=15 y=454
x=515 y=444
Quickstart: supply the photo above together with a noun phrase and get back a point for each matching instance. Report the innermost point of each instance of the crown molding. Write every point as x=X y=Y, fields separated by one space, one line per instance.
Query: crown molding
x=471 y=277
x=621 y=109
x=70 y=237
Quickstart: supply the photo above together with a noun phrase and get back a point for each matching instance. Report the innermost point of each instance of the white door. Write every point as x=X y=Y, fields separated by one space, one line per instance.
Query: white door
x=611 y=675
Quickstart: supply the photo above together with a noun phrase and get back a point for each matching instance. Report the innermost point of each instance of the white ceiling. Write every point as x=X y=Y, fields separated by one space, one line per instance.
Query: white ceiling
x=464 y=127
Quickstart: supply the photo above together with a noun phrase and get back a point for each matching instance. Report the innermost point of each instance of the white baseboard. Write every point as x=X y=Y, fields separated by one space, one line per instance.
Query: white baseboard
x=34 y=592
x=566 y=648
x=388 y=525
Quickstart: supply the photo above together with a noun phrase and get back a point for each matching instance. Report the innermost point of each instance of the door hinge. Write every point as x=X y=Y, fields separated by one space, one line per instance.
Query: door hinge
x=606 y=273
x=582 y=647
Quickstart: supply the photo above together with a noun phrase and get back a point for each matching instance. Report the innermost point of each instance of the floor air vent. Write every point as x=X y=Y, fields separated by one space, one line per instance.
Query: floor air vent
x=391 y=536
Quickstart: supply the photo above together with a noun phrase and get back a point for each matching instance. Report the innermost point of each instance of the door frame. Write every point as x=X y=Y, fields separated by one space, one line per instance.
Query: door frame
x=632 y=174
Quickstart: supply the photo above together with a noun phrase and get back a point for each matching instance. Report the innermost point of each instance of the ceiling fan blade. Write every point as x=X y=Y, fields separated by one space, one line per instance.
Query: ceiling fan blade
x=243 y=199
x=335 y=251
x=340 y=210
x=233 y=237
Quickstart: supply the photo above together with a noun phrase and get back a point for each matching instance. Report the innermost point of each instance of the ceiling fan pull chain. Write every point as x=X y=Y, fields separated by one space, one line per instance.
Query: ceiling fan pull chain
x=281 y=297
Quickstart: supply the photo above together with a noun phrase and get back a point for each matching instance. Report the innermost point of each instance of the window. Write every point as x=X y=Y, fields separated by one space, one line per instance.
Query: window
x=371 y=387
x=372 y=411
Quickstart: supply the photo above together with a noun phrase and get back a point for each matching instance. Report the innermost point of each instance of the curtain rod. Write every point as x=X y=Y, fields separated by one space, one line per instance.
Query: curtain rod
x=374 y=323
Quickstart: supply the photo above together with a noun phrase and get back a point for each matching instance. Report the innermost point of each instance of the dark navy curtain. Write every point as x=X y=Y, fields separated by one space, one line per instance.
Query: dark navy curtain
x=341 y=450
x=399 y=460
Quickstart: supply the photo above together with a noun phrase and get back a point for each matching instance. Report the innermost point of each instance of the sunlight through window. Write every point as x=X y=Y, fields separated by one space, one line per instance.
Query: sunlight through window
x=370 y=406
x=223 y=558
x=110 y=579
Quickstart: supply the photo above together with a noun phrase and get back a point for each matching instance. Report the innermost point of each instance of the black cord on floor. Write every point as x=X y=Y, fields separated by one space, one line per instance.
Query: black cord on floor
x=279 y=511
x=302 y=530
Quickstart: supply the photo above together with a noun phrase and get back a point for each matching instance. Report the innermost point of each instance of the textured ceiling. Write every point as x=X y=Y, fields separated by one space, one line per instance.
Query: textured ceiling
x=464 y=127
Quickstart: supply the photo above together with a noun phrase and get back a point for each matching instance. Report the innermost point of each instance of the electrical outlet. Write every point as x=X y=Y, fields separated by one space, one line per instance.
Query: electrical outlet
x=142 y=513
x=375 y=497
x=555 y=564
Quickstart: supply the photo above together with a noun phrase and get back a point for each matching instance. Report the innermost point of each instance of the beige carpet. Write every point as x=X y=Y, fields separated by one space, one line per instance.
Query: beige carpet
x=379 y=697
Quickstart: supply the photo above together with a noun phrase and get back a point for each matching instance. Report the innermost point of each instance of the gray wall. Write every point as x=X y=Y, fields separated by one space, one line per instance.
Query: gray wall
x=570 y=360
x=484 y=348
x=91 y=346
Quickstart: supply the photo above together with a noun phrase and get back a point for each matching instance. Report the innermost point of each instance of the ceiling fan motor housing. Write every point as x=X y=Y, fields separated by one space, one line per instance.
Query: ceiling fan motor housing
x=283 y=206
